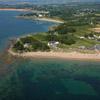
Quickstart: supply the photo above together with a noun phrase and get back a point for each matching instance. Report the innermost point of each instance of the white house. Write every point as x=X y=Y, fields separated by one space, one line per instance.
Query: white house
x=26 y=45
x=82 y=37
x=40 y=15
x=53 y=43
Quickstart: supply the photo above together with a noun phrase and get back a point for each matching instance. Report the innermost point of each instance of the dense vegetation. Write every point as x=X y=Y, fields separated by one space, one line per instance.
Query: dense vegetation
x=30 y=44
x=76 y=31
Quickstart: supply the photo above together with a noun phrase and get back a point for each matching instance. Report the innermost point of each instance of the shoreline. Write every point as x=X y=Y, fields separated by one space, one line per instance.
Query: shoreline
x=58 y=55
x=42 y=19
x=26 y=10
x=49 y=20
x=13 y=9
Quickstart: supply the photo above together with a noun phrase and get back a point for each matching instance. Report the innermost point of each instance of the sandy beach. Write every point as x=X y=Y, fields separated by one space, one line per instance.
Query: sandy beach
x=13 y=9
x=49 y=20
x=58 y=55
x=42 y=19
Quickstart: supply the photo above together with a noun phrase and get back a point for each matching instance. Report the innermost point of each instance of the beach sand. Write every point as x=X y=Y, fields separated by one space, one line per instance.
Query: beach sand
x=58 y=55
x=49 y=20
x=13 y=9
x=42 y=19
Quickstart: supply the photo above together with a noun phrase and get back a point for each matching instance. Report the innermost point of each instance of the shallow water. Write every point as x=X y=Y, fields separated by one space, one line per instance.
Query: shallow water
x=11 y=27
x=42 y=79
x=30 y=79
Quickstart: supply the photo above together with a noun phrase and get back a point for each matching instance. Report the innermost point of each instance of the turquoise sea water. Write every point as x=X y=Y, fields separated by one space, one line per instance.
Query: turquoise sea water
x=42 y=79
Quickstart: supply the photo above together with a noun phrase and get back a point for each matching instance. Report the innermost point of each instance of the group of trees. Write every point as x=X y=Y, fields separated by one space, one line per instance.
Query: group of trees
x=63 y=34
x=67 y=39
x=18 y=46
x=29 y=14
x=64 y=29
x=33 y=45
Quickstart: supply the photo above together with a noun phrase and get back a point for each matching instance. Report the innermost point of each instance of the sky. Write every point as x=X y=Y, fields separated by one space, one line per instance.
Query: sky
x=46 y=1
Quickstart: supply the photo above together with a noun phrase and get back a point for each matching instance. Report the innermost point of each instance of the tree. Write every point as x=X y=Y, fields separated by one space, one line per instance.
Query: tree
x=19 y=45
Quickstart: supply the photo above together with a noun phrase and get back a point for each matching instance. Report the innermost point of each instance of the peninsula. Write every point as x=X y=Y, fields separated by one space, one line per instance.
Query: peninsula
x=77 y=36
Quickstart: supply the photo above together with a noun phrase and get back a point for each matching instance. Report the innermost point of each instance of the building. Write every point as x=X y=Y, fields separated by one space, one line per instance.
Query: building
x=53 y=44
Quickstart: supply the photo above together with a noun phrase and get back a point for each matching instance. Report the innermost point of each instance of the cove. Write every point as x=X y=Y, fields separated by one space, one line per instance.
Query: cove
x=12 y=27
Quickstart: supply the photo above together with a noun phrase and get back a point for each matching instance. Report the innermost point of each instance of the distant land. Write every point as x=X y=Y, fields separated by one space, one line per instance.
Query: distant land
x=44 y=1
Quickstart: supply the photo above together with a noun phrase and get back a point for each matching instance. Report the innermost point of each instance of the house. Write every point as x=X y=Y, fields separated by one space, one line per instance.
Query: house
x=97 y=47
x=91 y=38
x=82 y=47
x=26 y=45
x=53 y=44
x=82 y=37
x=40 y=15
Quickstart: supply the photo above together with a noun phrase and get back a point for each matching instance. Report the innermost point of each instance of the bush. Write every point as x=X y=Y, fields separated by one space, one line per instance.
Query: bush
x=51 y=37
x=39 y=46
x=68 y=39
x=18 y=46
x=34 y=45
x=28 y=39
x=64 y=29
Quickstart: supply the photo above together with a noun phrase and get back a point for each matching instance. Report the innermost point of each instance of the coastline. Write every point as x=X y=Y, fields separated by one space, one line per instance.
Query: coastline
x=25 y=10
x=13 y=9
x=42 y=19
x=57 y=55
x=49 y=20
x=61 y=55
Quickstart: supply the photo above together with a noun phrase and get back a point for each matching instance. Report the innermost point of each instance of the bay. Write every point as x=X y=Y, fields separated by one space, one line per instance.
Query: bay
x=11 y=27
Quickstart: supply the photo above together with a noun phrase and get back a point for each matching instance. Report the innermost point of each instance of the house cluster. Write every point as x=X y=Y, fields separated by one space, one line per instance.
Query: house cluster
x=94 y=47
x=41 y=14
x=85 y=11
x=37 y=14
x=91 y=37
x=88 y=10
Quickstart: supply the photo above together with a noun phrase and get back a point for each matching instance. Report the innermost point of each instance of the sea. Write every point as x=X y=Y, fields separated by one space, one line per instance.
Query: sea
x=42 y=79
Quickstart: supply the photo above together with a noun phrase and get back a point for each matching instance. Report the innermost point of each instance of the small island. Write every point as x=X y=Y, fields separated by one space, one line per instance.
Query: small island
x=76 y=36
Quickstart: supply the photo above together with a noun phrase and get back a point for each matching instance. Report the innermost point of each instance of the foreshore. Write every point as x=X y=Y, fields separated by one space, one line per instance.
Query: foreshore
x=49 y=20
x=39 y=19
x=58 y=55
x=42 y=19
x=13 y=9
